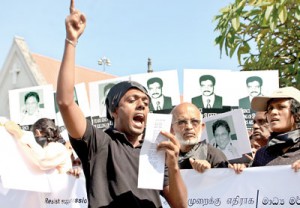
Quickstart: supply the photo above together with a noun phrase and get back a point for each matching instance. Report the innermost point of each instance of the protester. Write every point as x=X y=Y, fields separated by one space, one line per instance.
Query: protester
x=43 y=149
x=187 y=127
x=260 y=131
x=283 y=114
x=110 y=159
x=48 y=135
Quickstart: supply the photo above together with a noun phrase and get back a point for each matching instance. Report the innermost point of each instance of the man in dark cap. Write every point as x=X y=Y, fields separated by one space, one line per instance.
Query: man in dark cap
x=110 y=159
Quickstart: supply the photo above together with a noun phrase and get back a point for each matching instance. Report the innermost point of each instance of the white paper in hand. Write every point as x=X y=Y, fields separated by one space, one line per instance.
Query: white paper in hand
x=152 y=162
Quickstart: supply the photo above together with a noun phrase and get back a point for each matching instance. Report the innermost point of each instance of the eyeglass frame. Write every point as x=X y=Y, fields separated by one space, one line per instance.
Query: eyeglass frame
x=186 y=121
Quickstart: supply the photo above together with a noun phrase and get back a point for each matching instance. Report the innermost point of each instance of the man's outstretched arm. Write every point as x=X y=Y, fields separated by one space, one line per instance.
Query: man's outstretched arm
x=71 y=113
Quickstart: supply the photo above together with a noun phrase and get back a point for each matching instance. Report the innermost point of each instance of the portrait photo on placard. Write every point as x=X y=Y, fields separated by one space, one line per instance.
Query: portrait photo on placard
x=228 y=132
x=163 y=88
x=254 y=83
x=98 y=91
x=80 y=98
x=27 y=105
x=206 y=88
x=251 y=84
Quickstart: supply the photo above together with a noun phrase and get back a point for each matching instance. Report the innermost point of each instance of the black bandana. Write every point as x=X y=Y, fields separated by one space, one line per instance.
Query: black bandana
x=117 y=92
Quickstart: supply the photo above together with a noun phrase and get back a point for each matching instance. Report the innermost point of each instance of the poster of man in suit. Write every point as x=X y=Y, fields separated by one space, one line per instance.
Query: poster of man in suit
x=163 y=89
x=158 y=100
x=207 y=90
x=98 y=91
x=208 y=98
x=254 y=85
x=251 y=84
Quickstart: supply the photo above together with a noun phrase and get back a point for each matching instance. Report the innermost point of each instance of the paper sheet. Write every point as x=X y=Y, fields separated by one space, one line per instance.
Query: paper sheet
x=152 y=162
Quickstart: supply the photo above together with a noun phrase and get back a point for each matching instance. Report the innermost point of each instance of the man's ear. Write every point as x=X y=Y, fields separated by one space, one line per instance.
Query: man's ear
x=203 y=126
x=114 y=114
x=172 y=130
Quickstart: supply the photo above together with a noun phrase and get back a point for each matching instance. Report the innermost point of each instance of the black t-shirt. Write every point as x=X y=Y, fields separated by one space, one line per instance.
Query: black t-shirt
x=110 y=164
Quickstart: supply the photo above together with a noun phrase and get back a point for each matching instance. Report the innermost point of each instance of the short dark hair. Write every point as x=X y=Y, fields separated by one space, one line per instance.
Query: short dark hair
x=155 y=79
x=32 y=94
x=219 y=123
x=207 y=77
x=254 y=78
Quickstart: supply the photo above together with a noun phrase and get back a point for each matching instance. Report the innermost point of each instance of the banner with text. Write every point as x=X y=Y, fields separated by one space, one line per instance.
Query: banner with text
x=275 y=186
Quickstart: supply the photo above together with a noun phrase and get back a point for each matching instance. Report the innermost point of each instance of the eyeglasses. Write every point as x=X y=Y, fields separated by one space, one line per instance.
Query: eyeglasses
x=261 y=122
x=185 y=122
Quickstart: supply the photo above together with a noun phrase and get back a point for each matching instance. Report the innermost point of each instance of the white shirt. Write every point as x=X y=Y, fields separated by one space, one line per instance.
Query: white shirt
x=205 y=99
x=159 y=101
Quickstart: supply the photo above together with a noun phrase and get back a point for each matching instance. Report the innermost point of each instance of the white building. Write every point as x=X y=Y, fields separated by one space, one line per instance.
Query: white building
x=23 y=69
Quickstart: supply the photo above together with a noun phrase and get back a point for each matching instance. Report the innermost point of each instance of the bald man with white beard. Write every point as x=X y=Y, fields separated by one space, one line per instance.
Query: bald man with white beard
x=187 y=127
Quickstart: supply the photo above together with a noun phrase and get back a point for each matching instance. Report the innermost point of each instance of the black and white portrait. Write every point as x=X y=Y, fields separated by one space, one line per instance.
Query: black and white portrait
x=33 y=103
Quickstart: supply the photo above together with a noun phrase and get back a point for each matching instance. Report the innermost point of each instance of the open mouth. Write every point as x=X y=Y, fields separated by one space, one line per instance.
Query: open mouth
x=274 y=119
x=139 y=118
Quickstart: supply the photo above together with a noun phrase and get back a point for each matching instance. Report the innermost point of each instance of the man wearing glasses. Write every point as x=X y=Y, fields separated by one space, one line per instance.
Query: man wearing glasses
x=261 y=131
x=187 y=127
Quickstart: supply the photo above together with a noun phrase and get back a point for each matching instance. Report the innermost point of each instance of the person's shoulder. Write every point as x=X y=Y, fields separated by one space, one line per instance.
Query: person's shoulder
x=167 y=98
x=218 y=97
x=244 y=98
x=197 y=97
x=212 y=148
x=261 y=150
x=216 y=152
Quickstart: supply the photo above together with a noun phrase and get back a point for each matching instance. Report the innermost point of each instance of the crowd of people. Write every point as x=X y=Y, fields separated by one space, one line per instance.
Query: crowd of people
x=110 y=158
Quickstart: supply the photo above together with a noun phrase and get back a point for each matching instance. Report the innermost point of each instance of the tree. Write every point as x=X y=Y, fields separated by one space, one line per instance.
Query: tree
x=264 y=34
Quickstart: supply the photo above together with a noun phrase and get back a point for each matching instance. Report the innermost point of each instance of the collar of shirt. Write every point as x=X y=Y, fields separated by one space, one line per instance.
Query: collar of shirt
x=160 y=100
x=211 y=98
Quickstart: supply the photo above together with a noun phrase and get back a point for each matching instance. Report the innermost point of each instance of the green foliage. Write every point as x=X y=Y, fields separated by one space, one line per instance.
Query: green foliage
x=264 y=34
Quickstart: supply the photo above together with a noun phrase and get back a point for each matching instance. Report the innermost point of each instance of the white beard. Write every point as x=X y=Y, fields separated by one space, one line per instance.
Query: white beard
x=189 y=142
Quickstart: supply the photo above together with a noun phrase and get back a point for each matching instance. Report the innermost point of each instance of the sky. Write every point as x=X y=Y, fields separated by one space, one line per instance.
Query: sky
x=175 y=34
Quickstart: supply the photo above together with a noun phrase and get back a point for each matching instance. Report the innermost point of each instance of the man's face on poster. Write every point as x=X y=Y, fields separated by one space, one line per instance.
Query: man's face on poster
x=222 y=137
x=254 y=88
x=31 y=105
x=207 y=87
x=155 y=90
